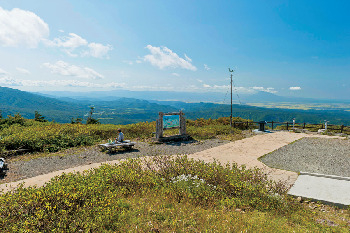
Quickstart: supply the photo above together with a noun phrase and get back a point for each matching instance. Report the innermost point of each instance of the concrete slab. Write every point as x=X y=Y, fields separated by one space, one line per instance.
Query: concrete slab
x=325 y=188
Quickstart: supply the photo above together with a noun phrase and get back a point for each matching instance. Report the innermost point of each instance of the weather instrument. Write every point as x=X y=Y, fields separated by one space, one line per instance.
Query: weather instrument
x=231 y=71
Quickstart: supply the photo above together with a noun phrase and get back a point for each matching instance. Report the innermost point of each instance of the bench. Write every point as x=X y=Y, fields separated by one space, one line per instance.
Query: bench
x=127 y=144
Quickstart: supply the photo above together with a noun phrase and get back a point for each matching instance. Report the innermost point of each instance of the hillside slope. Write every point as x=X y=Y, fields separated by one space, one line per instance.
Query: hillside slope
x=115 y=110
x=14 y=101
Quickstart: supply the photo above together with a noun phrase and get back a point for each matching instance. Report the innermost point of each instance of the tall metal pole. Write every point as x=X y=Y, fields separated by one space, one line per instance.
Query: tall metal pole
x=231 y=98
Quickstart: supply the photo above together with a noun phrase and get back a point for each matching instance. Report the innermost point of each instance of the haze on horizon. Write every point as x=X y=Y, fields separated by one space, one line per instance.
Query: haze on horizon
x=289 y=48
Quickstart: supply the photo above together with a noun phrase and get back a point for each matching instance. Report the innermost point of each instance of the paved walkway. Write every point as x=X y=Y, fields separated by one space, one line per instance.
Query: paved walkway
x=243 y=152
x=247 y=151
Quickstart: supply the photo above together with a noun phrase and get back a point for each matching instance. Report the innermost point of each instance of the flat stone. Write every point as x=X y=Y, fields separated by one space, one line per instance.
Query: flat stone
x=325 y=188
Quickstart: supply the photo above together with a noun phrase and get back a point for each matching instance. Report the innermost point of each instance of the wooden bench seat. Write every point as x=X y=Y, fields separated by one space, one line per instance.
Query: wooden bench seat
x=114 y=145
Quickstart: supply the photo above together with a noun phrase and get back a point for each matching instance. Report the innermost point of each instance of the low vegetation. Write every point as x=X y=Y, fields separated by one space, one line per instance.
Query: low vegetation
x=161 y=194
x=158 y=194
x=31 y=135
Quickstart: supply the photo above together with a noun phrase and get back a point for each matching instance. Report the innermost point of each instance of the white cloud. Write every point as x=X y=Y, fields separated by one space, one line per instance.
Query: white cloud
x=245 y=90
x=258 y=88
x=175 y=74
x=294 y=88
x=22 y=70
x=128 y=62
x=3 y=73
x=187 y=58
x=206 y=67
x=21 y=28
x=7 y=81
x=72 y=41
x=163 y=57
x=97 y=50
x=63 y=68
x=74 y=45
x=139 y=60
x=268 y=89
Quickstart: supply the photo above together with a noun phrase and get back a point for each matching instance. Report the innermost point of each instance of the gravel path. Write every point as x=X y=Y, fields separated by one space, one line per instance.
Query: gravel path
x=19 y=170
x=315 y=155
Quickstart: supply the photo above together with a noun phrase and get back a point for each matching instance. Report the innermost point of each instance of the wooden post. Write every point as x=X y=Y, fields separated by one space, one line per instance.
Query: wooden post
x=182 y=124
x=287 y=125
x=159 y=126
x=247 y=125
x=341 y=128
x=271 y=125
x=234 y=124
x=304 y=126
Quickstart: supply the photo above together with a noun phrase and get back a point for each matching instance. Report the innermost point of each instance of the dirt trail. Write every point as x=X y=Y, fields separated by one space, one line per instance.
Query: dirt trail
x=243 y=152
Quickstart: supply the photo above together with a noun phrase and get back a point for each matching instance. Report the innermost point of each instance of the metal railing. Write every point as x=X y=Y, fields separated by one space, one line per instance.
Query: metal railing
x=289 y=125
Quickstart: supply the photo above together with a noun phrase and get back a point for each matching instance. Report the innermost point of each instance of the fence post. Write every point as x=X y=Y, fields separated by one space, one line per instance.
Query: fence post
x=304 y=126
x=287 y=125
x=247 y=124
x=234 y=124
x=271 y=125
x=341 y=128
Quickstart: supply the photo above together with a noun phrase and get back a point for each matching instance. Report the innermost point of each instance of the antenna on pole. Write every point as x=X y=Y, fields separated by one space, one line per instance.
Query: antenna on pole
x=231 y=71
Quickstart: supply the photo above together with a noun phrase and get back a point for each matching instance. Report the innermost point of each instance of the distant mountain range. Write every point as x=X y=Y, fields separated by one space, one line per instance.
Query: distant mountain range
x=121 y=110
x=13 y=101
x=213 y=97
x=263 y=97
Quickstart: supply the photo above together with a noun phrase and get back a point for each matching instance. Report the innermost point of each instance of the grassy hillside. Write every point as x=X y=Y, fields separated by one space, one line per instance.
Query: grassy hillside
x=13 y=101
x=34 y=136
x=113 y=111
x=166 y=195
x=161 y=194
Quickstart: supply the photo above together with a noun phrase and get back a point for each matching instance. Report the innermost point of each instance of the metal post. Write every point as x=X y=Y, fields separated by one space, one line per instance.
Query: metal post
x=293 y=123
x=231 y=98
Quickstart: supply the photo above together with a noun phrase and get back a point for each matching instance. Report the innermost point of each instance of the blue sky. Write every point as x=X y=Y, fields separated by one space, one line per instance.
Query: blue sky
x=290 y=48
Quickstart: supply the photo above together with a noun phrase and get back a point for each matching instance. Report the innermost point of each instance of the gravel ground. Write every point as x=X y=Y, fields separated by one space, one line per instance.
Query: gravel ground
x=19 y=170
x=315 y=155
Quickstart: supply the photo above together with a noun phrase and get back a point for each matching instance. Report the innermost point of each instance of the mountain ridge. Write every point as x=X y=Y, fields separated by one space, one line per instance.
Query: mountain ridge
x=126 y=110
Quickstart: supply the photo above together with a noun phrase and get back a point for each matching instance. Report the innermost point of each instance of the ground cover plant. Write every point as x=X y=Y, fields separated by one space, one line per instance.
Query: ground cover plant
x=35 y=136
x=161 y=194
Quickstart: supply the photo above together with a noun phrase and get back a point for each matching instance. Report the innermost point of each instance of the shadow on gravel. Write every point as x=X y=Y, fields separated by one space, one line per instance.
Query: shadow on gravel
x=122 y=151
x=180 y=143
x=2 y=176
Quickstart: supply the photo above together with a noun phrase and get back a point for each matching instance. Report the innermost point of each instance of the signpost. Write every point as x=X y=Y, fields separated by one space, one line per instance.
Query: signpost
x=173 y=120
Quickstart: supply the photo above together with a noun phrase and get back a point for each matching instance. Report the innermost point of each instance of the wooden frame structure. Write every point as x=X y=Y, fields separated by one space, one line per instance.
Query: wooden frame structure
x=160 y=127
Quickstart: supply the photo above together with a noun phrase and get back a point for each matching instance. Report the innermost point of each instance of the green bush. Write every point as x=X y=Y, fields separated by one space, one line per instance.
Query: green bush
x=49 y=136
x=98 y=200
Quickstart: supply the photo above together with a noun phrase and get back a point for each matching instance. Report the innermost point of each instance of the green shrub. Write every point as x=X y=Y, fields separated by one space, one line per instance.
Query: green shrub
x=49 y=136
x=98 y=199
